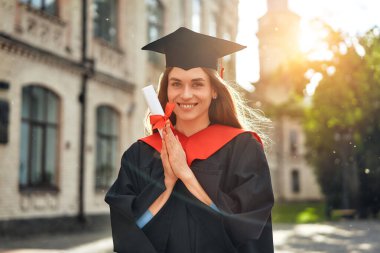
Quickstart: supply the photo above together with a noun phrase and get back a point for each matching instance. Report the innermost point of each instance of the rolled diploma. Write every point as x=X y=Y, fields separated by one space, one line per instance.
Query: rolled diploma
x=154 y=105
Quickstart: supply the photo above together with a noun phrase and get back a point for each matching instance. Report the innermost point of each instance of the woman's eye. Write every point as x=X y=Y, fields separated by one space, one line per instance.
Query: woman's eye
x=197 y=84
x=175 y=84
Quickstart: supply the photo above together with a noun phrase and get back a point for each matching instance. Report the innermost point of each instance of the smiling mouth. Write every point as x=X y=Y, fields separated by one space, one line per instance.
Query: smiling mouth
x=186 y=106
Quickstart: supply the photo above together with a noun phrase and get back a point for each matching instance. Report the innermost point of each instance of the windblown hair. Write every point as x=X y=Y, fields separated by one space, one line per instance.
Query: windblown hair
x=229 y=108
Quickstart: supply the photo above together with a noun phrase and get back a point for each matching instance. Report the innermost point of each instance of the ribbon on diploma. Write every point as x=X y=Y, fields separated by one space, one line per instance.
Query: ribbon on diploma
x=158 y=121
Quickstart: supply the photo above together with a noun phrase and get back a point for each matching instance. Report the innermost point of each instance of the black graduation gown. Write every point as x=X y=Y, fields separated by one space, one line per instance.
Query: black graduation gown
x=236 y=178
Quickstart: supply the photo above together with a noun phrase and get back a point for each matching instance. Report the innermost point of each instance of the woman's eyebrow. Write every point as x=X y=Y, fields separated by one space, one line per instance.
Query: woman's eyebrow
x=197 y=79
x=174 y=79
x=193 y=80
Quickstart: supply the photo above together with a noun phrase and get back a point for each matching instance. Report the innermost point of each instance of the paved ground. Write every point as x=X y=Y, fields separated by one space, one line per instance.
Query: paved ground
x=78 y=242
x=340 y=237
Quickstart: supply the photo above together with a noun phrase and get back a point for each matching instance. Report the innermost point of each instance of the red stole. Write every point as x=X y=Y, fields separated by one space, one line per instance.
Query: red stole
x=202 y=144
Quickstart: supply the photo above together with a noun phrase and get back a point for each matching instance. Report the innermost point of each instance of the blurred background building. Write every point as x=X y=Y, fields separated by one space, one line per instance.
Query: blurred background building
x=70 y=79
x=278 y=34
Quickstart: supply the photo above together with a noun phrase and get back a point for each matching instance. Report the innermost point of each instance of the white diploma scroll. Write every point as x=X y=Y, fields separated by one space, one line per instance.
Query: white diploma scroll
x=154 y=105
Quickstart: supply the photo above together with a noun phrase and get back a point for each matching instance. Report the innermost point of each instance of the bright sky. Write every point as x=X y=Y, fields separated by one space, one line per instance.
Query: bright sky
x=351 y=16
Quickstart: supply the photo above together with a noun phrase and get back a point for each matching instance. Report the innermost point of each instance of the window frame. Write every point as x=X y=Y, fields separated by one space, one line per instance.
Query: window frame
x=43 y=125
x=296 y=182
x=153 y=57
x=113 y=41
x=112 y=138
x=42 y=7
x=196 y=15
x=293 y=142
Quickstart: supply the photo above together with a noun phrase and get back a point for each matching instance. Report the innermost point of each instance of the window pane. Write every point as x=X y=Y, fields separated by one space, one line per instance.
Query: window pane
x=106 y=145
x=151 y=3
x=107 y=176
x=295 y=181
x=155 y=19
x=100 y=16
x=113 y=123
x=24 y=145
x=155 y=24
x=101 y=121
x=98 y=162
x=36 y=169
x=105 y=20
x=293 y=142
x=115 y=131
x=102 y=163
x=37 y=103
x=196 y=17
x=213 y=25
x=107 y=120
x=37 y=4
x=182 y=12
x=50 y=155
x=52 y=108
x=38 y=152
x=26 y=97
x=154 y=33
x=113 y=161
x=51 y=7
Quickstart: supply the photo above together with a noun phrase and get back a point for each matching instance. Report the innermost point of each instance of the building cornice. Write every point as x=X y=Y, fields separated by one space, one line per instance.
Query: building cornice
x=16 y=46
x=113 y=81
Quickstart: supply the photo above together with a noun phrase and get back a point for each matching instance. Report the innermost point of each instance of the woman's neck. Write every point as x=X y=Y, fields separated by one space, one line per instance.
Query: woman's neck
x=189 y=128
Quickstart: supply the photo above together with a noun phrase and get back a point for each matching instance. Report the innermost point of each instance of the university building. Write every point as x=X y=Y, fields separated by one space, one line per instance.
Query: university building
x=71 y=74
x=293 y=178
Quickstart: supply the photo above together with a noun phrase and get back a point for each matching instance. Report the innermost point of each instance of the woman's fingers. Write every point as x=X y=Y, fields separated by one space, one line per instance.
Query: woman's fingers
x=170 y=139
x=176 y=154
x=164 y=156
x=163 y=153
x=170 y=176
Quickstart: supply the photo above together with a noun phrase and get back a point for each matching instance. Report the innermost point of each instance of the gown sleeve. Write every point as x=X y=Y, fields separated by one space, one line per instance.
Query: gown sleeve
x=129 y=197
x=245 y=196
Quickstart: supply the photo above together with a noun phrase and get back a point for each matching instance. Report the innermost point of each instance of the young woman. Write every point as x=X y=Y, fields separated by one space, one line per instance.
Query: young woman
x=205 y=185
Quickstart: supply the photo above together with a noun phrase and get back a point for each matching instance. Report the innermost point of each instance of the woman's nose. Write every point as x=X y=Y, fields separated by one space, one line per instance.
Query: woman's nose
x=187 y=92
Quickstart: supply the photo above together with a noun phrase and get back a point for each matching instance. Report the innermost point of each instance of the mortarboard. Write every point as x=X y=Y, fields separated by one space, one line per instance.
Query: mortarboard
x=187 y=49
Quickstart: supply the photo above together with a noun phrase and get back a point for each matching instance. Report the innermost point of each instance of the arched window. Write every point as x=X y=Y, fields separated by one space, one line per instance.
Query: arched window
x=295 y=181
x=39 y=138
x=107 y=134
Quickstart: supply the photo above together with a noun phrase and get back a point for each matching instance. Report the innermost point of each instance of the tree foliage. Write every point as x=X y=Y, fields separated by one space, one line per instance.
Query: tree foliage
x=342 y=125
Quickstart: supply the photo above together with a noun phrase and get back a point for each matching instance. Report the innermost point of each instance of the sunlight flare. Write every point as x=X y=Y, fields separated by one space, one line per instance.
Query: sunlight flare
x=312 y=41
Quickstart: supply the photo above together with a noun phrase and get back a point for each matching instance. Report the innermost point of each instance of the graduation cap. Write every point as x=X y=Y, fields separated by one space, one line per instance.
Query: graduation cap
x=187 y=49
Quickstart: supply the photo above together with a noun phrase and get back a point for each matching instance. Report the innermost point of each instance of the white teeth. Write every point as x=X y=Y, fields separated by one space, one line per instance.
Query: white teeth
x=187 y=106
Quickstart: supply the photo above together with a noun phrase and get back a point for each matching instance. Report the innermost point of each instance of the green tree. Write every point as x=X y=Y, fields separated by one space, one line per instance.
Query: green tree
x=342 y=125
x=369 y=152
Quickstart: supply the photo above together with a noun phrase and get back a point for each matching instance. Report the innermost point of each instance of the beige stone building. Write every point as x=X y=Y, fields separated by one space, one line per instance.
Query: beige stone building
x=293 y=178
x=70 y=96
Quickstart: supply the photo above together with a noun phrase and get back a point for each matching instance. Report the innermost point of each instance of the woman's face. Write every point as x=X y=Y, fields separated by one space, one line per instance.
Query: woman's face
x=192 y=93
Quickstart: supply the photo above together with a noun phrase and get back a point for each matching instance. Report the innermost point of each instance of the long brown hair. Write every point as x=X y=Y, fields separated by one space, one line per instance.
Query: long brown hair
x=229 y=108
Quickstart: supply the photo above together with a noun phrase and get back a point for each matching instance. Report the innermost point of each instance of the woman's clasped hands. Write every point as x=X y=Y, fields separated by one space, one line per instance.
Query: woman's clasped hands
x=173 y=158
